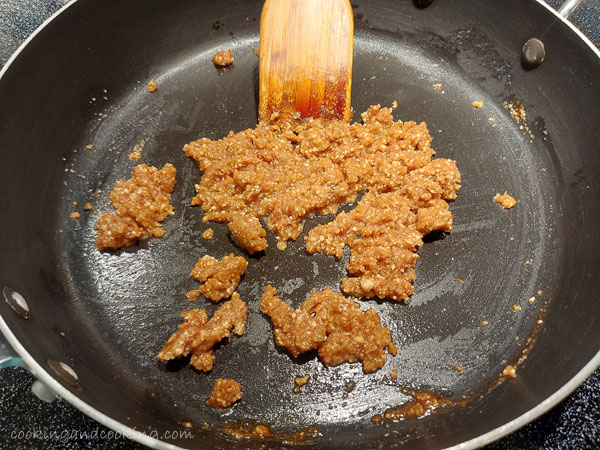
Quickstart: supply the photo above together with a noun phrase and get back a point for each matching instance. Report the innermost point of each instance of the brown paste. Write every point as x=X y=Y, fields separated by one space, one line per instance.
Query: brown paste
x=140 y=204
x=198 y=335
x=333 y=324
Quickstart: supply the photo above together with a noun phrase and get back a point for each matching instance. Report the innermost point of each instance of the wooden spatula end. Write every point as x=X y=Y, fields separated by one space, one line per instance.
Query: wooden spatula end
x=306 y=59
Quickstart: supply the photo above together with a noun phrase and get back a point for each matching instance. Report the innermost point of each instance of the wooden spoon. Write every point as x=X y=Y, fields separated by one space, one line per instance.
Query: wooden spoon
x=306 y=59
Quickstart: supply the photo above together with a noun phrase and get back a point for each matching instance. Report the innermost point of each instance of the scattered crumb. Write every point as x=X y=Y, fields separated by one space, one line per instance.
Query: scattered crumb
x=517 y=112
x=545 y=132
x=75 y=215
x=296 y=389
x=223 y=58
x=527 y=262
x=509 y=371
x=88 y=206
x=225 y=393
x=516 y=308
x=255 y=51
x=505 y=200
x=301 y=381
x=152 y=86
x=272 y=383
x=531 y=300
x=186 y=424
x=437 y=86
x=72 y=171
x=393 y=374
x=136 y=154
x=484 y=323
x=539 y=292
x=477 y=105
x=458 y=368
x=75 y=203
x=208 y=234
x=460 y=280
x=377 y=419
x=90 y=147
x=350 y=385
x=394 y=104
x=281 y=245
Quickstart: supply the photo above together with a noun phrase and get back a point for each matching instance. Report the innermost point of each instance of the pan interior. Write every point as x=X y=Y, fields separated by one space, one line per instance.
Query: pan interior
x=492 y=259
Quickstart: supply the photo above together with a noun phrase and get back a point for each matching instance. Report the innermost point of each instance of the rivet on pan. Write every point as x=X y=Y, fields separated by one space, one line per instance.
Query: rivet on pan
x=65 y=373
x=533 y=53
x=16 y=302
x=422 y=3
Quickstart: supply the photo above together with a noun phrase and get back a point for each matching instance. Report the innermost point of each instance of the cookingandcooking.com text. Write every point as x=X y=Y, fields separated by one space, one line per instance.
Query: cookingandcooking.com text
x=95 y=434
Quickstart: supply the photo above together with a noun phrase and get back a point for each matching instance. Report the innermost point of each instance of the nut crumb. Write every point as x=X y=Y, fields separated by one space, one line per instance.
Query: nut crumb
x=75 y=203
x=484 y=323
x=152 y=85
x=256 y=51
x=281 y=245
x=477 y=104
x=393 y=374
x=509 y=371
x=516 y=308
x=208 y=234
x=75 y=215
x=394 y=104
x=88 y=206
x=458 y=368
x=531 y=300
x=272 y=383
x=90 y=147
x=437 y=86
x=539 y=292
x=223 y=58
x=296 y=389
x=301 y=381
x=507 y=201
x=136 y=154
x=225 y=393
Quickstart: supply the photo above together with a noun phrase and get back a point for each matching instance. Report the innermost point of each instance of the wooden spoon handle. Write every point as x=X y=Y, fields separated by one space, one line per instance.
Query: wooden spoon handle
x=306 y=58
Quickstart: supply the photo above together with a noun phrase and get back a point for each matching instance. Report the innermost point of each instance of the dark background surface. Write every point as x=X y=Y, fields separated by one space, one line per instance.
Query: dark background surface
x=574 y=424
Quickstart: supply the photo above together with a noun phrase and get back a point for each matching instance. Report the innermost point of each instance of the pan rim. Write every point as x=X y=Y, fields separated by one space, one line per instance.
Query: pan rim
x=41 y=374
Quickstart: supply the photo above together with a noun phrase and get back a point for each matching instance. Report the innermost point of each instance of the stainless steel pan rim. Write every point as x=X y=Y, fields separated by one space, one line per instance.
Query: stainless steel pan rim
x=31 y=364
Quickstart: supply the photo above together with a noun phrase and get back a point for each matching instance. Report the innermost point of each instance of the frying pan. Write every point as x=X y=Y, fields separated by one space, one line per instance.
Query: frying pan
x=89 y=324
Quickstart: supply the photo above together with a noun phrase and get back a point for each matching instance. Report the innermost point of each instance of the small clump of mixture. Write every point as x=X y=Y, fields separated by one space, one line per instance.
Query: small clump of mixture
x=333 y=324
x=507 y=201
x=223 y=58
x=289 y=170
x=152 y=86
x=248 y=232
x=220 y=277
x=141 y=204
x=225 y=393
x=198 y=335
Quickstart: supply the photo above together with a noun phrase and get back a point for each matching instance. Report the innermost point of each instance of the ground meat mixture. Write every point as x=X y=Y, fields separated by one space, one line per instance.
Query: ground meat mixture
x=507 y=201
x=198 y=335
x=220 y=277
x=223 y=58
x=225 y=393
x=289 y=170
x=140 y=204
x=331 y=323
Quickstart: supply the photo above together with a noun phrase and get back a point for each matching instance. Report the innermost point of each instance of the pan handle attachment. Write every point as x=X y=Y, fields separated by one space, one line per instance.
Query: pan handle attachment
x=8 y=357
x=534 y=52
x=568 y=7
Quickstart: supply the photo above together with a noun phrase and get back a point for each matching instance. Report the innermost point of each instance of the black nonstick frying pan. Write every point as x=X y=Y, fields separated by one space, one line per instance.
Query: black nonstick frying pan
x=89 y=324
